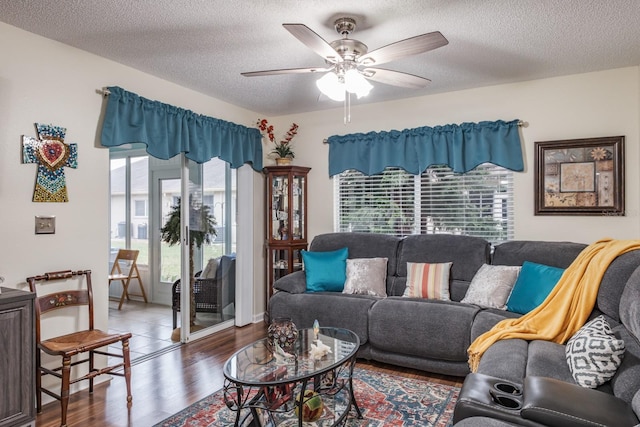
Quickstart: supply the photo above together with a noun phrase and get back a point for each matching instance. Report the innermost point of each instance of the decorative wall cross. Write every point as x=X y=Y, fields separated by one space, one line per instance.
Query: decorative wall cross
x=51 y=154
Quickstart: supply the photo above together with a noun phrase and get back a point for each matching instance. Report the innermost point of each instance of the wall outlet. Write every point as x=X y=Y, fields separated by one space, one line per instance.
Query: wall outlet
x=45 y=224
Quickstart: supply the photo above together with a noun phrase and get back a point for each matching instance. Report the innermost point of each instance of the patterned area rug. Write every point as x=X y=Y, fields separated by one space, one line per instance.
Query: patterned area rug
x=385 y=400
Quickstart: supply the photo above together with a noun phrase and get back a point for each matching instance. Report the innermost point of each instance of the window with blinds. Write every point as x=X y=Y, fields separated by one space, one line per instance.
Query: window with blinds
x=477 y=203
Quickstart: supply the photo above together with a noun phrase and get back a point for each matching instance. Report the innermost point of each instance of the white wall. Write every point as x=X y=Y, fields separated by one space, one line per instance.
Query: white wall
x=580 y=106
x=48 y=82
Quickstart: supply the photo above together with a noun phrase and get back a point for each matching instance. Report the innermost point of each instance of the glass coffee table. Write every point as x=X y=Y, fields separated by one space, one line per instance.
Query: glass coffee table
x=266 y=389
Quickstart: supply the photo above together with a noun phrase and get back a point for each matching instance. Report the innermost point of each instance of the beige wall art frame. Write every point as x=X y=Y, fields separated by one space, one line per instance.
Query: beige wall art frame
x=580 y=176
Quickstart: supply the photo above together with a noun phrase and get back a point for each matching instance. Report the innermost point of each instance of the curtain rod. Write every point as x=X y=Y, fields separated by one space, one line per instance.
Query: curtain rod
x=521 y=123
x=104 y=91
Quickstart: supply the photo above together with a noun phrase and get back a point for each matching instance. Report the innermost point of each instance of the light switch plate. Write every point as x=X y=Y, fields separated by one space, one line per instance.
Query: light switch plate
x=45 y=224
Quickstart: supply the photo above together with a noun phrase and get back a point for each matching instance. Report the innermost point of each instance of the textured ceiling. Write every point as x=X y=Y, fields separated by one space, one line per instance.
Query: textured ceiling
x=205 y=44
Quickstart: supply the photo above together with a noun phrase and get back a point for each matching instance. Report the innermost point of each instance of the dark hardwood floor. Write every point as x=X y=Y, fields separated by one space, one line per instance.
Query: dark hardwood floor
x=169 y=382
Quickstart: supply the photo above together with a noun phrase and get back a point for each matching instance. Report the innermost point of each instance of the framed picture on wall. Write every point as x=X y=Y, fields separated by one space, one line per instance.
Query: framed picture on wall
x=580 y=176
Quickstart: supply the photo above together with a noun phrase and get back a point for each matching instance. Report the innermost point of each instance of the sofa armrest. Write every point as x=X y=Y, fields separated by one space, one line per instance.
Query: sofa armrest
x=553 y=402
x=294 y=283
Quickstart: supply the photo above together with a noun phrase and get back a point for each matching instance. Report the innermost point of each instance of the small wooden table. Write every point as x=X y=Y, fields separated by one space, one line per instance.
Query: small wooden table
x=269 y=387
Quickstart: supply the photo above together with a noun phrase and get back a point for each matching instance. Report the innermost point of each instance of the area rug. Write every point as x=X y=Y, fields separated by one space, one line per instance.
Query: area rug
x=385 y=400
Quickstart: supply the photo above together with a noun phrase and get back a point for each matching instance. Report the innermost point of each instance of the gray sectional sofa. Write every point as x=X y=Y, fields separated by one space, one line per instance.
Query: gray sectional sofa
x=546 y=391
x=434 y=335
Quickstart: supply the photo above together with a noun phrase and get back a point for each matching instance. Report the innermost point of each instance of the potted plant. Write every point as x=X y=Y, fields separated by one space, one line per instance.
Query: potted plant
x=201 y=231
x=282 y=149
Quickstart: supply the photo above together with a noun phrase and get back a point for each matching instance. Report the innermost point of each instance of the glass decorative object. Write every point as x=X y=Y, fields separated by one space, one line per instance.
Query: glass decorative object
x=283 y=332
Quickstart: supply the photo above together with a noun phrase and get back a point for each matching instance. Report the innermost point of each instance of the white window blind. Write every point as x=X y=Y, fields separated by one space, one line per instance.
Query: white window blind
x=478 y=203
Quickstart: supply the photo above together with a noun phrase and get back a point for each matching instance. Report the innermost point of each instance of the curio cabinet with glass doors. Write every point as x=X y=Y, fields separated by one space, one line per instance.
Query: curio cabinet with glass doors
x=286 y=220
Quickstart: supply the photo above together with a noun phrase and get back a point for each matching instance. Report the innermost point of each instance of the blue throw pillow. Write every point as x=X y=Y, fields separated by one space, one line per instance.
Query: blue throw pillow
x=325 y=271
x=535 y=282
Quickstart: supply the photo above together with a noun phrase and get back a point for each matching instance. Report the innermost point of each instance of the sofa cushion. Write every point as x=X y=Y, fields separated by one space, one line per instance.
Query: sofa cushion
x=630 y=304
x=491 y=286
x=547 y=359
x=614 y=282
x=425 y=280
x=594 y=353
x=534 y=284
x=294 y=283
x=626 y=382
x=506 y=359
x=325 y=271
x=471 y=252
x=366 y=276
x=487 y=319
x=556 y=254
x=467 y=253
x=635 y=403
x=420 y=327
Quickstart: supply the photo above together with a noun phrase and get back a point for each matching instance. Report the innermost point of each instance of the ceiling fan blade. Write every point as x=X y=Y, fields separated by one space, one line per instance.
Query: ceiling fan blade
x=407 y=47
x=395 y=78
x=287 y=71
x=313 y=41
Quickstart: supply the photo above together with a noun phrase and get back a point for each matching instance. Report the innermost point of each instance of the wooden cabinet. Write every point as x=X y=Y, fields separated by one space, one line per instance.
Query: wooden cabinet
x=17 y=358
x=286 y=218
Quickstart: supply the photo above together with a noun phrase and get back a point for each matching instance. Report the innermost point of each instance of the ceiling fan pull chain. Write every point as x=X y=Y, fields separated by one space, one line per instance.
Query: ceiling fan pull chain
x=347 y=107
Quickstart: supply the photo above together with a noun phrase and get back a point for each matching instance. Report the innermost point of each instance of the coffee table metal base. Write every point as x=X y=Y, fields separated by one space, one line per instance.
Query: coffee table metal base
x=269 y=405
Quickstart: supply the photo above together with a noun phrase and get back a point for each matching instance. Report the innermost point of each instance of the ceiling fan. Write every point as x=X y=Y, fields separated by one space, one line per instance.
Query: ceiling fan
x=350 y=65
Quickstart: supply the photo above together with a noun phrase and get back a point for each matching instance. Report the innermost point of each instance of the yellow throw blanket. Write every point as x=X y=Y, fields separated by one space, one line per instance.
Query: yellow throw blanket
x=566 y=308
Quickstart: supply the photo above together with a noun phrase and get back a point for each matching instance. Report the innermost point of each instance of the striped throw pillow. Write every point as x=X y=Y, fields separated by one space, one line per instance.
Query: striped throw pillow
x=428 y=280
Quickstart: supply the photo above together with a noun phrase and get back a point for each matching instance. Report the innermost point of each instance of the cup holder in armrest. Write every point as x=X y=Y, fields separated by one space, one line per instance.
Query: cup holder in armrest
x=508 y=388
x=505 y=401
x=487 y=396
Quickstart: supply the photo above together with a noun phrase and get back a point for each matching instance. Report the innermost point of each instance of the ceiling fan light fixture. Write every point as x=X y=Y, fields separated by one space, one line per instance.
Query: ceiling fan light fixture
x=348 y=62
x=357 y=83
x=330 y=85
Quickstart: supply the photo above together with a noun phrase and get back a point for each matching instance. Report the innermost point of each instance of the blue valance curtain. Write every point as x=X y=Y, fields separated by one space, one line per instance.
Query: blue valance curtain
x=167 y=131
x=461 y=147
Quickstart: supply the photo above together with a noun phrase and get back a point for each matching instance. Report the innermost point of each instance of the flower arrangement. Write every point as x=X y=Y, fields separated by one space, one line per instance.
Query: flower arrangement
x=283 y=147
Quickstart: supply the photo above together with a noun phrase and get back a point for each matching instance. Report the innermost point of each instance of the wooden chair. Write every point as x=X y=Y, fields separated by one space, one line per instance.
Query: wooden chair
x=126 y=261
x=76 y=343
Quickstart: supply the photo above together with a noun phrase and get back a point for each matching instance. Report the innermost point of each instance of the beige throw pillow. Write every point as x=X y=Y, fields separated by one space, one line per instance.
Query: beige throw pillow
x=491 y=286
x=366 y=276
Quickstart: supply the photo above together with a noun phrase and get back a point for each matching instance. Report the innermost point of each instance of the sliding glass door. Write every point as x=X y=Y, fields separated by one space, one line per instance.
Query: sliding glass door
x=129 y=215
x=169 y=196
x=144 y=194
x=165 y=194
x=212 y=234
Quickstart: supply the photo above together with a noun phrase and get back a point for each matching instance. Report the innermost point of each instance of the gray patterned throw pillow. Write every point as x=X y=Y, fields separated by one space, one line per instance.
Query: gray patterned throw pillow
x=594 y=353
